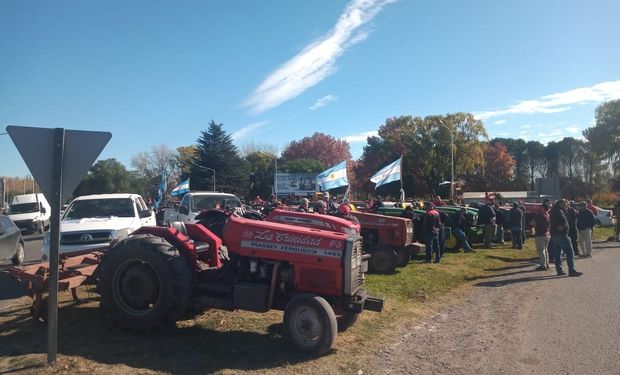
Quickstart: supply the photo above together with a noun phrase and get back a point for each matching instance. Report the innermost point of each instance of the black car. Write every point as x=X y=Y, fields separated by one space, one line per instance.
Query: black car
x=11 y=241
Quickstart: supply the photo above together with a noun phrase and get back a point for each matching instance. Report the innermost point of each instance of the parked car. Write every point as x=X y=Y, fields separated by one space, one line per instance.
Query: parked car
x=30 y=212
x=195 y=202
x=96 y=221
x=605 y=217
x=11 y=241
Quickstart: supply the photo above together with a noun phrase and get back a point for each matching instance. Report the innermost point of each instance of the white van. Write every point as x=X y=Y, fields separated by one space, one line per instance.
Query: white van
x=30 y=212
x=195 y=202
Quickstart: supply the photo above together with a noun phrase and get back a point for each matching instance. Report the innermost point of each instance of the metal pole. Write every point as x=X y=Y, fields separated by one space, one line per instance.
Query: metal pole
x=452 y=165
x=275 y=178
x=52 y=323
x=213 y=179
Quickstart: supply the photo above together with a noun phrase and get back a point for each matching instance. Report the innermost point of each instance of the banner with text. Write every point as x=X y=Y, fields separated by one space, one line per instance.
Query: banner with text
x=301 y=184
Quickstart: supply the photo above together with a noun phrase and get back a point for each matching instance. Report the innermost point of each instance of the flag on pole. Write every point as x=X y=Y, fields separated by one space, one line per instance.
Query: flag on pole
x=334 y=177
x=389 y=173
x=181 y=188
x=161 y=192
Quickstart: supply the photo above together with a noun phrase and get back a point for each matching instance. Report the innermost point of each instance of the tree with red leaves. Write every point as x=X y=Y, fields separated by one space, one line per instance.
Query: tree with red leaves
x=320 y=147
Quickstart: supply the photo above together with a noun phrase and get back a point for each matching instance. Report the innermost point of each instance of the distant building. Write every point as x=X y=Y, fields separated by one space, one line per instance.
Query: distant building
x=548 y=187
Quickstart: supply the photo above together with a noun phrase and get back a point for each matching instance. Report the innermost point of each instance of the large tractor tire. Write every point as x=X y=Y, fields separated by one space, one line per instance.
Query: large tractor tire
x=310 y=324
x=383 y=260
x=403 y=256
x=145 y=284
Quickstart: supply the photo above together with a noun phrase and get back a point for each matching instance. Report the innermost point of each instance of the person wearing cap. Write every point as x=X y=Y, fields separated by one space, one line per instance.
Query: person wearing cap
x=431 y=225
x=332 y=206
x=304 y=205
x=585 y=222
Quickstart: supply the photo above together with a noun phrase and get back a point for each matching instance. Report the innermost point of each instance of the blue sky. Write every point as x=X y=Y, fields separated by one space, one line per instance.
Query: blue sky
x=156 y=72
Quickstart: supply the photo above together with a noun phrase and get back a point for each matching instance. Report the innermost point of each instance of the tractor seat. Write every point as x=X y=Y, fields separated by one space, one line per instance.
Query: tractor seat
x=180 y=226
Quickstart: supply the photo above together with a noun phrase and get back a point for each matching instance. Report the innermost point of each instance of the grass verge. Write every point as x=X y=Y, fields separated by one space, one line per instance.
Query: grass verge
x=243 y=342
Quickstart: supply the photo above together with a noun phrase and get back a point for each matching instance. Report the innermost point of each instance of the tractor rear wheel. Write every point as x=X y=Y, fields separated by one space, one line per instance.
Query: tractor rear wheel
x=383 y=260
x=144 y=283
x=403 y=256
x=310 y=324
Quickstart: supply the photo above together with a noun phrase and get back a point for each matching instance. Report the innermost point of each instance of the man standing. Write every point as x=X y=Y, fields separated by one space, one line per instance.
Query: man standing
x=486 y=218
x=543 y=224
x=560 y=240
x=571 y=217
x=516 y=226
x=431 y=224
x=500 y=220
x=458 y=227
x=585 y=222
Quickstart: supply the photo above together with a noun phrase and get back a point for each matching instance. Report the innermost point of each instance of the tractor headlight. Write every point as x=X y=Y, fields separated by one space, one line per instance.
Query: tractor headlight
x=119 y=235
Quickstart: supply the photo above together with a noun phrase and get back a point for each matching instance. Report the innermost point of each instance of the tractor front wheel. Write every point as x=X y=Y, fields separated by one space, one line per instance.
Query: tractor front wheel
x=310 y=324
x=144 y=283
x=403 y=256
x=452 y=243
x=383 y=260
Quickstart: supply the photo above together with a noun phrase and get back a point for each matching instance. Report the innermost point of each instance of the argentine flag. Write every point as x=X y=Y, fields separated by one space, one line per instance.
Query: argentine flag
x=389 y=173
x=334 y=177
x=181 y=188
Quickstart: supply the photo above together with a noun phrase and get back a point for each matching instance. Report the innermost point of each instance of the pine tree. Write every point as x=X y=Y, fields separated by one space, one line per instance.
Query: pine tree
x=216 y=151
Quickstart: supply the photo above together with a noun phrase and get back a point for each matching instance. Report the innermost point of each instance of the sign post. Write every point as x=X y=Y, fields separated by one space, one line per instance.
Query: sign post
x=72 y=153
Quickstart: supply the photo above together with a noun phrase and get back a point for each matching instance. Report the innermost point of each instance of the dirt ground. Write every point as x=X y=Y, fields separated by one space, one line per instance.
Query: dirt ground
x=520 y=322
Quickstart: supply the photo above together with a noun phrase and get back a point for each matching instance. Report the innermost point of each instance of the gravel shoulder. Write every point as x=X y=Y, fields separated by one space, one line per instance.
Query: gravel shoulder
x=520 y=322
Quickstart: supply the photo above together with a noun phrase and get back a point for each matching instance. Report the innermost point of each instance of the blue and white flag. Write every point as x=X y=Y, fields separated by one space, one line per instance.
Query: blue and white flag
x=161 y=192
x=389 y=173
x=334 y=177
x=181 y=188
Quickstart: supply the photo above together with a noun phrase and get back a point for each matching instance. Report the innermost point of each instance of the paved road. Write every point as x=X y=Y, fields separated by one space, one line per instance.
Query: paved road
x=9 y=288
x=524 y=322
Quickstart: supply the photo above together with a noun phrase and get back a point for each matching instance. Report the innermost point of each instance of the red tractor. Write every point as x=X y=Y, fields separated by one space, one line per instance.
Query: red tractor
x=160 y=275
x=388 y=239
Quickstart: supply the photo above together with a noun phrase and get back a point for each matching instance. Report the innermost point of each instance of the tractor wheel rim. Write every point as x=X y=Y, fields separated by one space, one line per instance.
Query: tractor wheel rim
x=136 y=287
x=306 y=326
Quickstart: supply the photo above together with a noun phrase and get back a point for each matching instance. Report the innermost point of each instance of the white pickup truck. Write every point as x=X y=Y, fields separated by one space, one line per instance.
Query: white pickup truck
x=96 y=221
x=196 y=201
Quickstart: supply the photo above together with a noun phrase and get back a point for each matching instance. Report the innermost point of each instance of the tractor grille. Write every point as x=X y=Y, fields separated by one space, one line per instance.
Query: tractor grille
x=354 y=272
x=80 y=238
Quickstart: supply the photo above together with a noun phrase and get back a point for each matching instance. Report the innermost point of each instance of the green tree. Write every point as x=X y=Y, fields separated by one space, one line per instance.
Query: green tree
x=261 y=166
x=536 y=161
x=605 y=134
x=109 y=176
x=571 y=157
x=552 y=159
x=425 y=146
x=184 y=158
x=216 y=151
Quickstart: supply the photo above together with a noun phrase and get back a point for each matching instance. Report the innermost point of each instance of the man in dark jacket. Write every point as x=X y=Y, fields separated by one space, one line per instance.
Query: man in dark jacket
x=560 y=240
x=516 y=226
x=486 y=218
x=500 y=220
x=585 y=222
x=571 y=217
x=431 y=224
x=459 y=225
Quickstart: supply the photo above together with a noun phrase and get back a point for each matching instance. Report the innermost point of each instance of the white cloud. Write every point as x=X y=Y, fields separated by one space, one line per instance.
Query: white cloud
x=560 y=102
x=355 y=138
x=499 y=122
x=572 y=129
x=322 y=102
x=248 y=130
x=317 y=60
x=526 y=126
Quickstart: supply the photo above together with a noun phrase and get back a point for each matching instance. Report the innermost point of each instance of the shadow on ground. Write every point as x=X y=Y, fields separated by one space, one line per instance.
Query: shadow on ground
x=190 y=349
